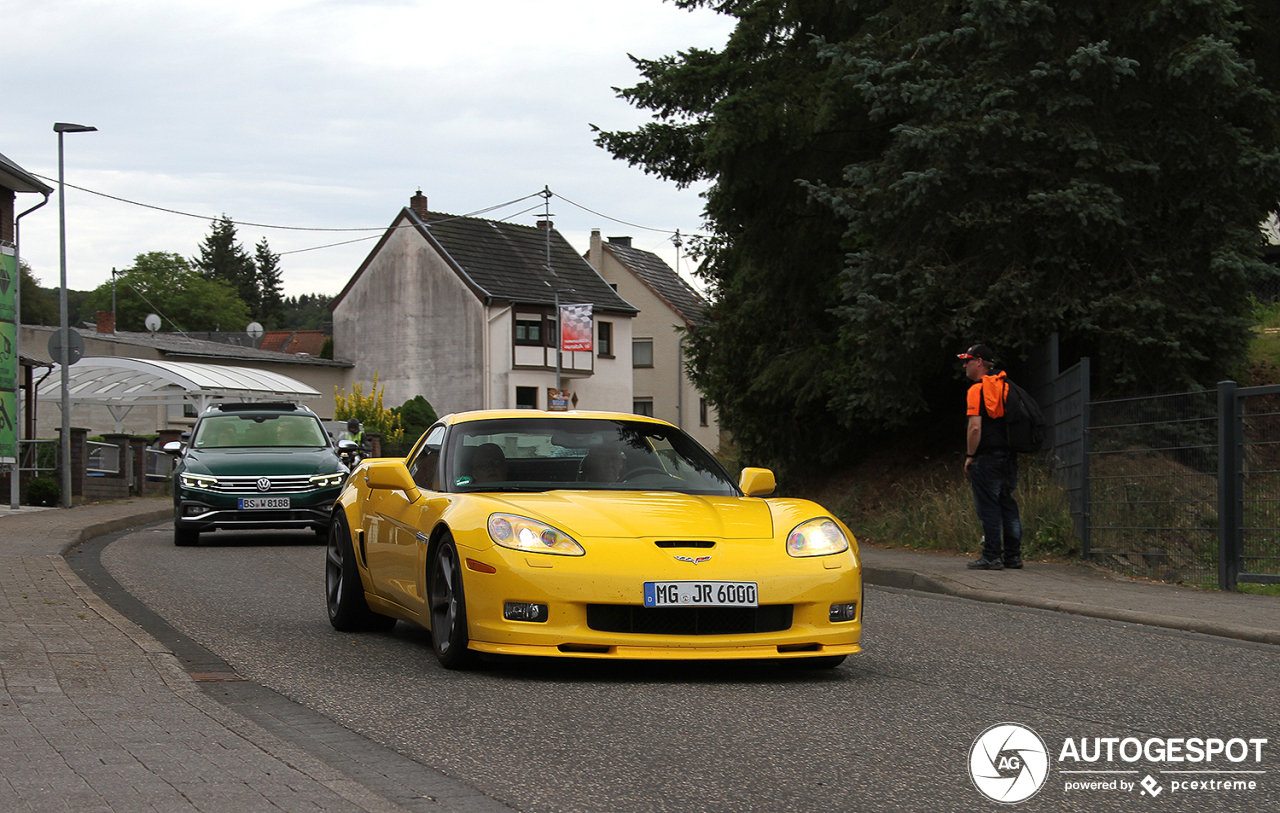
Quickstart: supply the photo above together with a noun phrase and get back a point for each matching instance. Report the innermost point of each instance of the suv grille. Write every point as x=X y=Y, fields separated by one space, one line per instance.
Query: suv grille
x=291 y=484
x=689 y=620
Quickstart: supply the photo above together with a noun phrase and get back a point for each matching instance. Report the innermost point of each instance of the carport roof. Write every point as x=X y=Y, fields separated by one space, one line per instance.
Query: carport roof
x=120 y=384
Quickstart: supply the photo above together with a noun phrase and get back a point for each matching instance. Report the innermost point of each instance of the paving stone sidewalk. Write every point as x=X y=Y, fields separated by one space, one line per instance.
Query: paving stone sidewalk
x=96 y=715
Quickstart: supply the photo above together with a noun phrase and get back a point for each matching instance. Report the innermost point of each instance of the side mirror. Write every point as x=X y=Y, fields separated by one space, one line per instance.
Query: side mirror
x=391 y=474
x=172 y=447
x=755 y=482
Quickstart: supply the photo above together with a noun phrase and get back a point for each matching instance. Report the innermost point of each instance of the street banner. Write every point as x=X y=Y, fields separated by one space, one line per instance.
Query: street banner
x=575 y=331
x=8 y=358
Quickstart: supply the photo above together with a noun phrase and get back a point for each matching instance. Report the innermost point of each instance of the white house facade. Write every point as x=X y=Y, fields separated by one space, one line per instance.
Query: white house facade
x=463 y=311
x=669 y=306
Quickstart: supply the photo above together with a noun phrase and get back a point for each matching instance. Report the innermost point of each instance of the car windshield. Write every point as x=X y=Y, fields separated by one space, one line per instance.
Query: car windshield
x=545 y=454
x=232 y=431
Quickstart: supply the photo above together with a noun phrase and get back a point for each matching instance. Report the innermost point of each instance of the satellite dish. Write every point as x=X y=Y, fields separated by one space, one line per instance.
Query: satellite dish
x=152 y=322
x=255 y=331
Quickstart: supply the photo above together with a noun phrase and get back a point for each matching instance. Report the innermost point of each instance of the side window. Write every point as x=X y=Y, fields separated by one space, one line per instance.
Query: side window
x=425 y=466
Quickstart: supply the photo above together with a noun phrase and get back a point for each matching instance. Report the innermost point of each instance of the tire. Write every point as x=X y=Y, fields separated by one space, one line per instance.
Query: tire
x=185 y=537
x=448 y=608
x=344 y=592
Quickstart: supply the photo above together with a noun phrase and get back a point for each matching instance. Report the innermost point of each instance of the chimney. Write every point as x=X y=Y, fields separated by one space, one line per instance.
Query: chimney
x=106 y=321
x=545 y=225
x=625 y=242
x=594 y=255
x=418 y=203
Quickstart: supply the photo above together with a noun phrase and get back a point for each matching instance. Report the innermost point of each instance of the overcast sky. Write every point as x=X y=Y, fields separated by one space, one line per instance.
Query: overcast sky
x=329 y=114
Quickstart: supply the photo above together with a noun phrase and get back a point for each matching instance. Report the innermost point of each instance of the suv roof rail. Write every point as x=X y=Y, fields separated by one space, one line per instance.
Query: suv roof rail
x=274 y=406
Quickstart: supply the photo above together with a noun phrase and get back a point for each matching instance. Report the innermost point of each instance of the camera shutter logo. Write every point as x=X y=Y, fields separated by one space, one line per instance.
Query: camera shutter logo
x=1008 y=763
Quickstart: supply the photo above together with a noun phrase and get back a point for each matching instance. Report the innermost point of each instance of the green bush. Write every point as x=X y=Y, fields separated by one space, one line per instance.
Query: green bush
x=44 y=491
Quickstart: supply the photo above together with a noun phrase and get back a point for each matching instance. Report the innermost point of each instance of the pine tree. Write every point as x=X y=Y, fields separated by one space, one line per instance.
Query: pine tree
x=271 y=304
x=223 y=259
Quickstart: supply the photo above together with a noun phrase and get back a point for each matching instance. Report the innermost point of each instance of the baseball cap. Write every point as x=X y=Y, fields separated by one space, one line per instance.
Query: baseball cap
x=978 y=351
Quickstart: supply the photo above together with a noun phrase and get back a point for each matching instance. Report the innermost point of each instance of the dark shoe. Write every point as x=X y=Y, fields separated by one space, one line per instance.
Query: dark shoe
x=1013 y=562
x=986 y=564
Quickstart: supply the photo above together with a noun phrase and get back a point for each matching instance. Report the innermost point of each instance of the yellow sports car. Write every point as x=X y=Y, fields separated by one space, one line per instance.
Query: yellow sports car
x=588 y=535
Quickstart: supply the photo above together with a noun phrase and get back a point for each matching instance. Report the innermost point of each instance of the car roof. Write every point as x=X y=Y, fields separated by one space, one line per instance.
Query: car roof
x=233 y=407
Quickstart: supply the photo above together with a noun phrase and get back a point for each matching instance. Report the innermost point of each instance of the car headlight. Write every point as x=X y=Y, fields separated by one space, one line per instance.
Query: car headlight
x=521 y=533
x=328 y=480
x=817 y=537
x=203 y=481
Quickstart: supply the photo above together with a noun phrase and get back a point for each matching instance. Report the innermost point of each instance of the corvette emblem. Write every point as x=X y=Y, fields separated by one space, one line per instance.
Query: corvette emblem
x=697 y=560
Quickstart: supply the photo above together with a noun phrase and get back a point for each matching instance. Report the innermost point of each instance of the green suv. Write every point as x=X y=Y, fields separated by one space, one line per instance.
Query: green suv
x=248 y=466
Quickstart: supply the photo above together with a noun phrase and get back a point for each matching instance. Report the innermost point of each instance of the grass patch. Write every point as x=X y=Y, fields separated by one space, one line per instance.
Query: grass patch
x=928 y=505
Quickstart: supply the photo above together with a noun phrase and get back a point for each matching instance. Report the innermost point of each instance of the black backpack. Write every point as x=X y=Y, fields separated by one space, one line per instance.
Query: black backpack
x=1023 y=420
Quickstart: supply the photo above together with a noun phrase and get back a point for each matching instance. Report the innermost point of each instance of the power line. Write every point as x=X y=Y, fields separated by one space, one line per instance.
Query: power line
x=380 y=229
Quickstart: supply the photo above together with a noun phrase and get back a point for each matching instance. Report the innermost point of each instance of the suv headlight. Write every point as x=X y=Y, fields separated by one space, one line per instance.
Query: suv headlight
x=328 y=480
x=817 y=537
x=521 y=533
x=202 y=481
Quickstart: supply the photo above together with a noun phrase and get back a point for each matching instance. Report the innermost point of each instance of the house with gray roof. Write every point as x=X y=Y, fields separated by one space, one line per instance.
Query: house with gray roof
x=463 y=311
x=669 y=306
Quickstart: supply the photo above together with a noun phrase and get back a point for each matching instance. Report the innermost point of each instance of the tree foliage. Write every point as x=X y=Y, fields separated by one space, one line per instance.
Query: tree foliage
x=167 y=285
x=39 y=305
x=1093 y=167
x=894 y=180
x=270 y=287
x=223 y=259
x=752 y=119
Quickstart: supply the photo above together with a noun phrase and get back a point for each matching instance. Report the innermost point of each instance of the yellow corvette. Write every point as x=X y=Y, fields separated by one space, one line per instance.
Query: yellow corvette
x=588 y=535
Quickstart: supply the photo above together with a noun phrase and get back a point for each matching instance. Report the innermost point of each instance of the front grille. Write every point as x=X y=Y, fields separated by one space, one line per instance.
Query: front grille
x=292 y=484
x=688 y=620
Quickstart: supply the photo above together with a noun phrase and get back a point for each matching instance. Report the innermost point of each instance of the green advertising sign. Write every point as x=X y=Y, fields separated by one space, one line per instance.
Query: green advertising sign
x=8 y=356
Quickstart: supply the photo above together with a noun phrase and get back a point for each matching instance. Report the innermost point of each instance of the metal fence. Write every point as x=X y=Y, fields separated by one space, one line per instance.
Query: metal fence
x=1183 y=487
x=1153 y=467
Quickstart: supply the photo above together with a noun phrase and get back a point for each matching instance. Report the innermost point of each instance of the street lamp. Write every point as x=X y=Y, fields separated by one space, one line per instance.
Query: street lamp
x=63 y=327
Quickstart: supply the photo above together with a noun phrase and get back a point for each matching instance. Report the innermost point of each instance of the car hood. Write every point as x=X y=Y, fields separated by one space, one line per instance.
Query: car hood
x=630 y=514
x=259 y=462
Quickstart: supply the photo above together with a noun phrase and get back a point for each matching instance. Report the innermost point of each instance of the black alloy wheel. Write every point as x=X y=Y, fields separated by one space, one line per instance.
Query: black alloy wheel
x=344 y=592
x=448 y=608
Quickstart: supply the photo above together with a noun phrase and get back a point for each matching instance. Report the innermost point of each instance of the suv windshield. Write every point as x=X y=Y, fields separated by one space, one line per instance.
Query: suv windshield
x=232 y=431
x=543 y=454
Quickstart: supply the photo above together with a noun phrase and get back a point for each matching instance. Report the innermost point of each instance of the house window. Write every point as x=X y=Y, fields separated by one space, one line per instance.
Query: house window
x=529 y=331
x=642 y=353
x=702 y=411
x=604 y=338
x=642 y=406
x=526 y=397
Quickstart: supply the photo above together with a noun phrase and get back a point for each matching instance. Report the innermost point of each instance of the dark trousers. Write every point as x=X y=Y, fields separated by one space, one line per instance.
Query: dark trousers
x=994 y=477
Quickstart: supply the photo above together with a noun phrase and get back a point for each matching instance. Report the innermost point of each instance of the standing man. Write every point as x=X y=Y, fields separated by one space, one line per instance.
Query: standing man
x=991 y=465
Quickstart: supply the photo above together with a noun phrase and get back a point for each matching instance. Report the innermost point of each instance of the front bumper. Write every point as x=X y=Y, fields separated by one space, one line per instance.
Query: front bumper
x=198 y=511
x=579 y=593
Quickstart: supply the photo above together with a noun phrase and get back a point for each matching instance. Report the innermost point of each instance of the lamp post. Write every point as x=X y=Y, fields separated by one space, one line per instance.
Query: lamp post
x=63 y=328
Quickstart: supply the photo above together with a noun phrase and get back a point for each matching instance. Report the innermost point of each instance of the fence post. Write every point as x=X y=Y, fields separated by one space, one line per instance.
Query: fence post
x=1228 y=485
x=1086 y=508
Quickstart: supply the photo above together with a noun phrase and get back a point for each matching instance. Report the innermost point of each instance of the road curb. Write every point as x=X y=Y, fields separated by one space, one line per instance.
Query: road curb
x=911 y=580
x=118 y=524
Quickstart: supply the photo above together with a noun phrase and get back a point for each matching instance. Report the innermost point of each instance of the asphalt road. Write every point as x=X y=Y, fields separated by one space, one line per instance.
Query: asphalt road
x=890 y=730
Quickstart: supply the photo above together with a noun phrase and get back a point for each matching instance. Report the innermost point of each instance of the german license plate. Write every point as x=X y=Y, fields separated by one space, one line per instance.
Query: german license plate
x=700 y=594
x=252 y=503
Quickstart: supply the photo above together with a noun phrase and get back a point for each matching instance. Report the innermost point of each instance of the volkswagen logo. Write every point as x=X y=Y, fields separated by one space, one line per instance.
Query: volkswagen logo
x=264 y=483
x=1008 y=763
